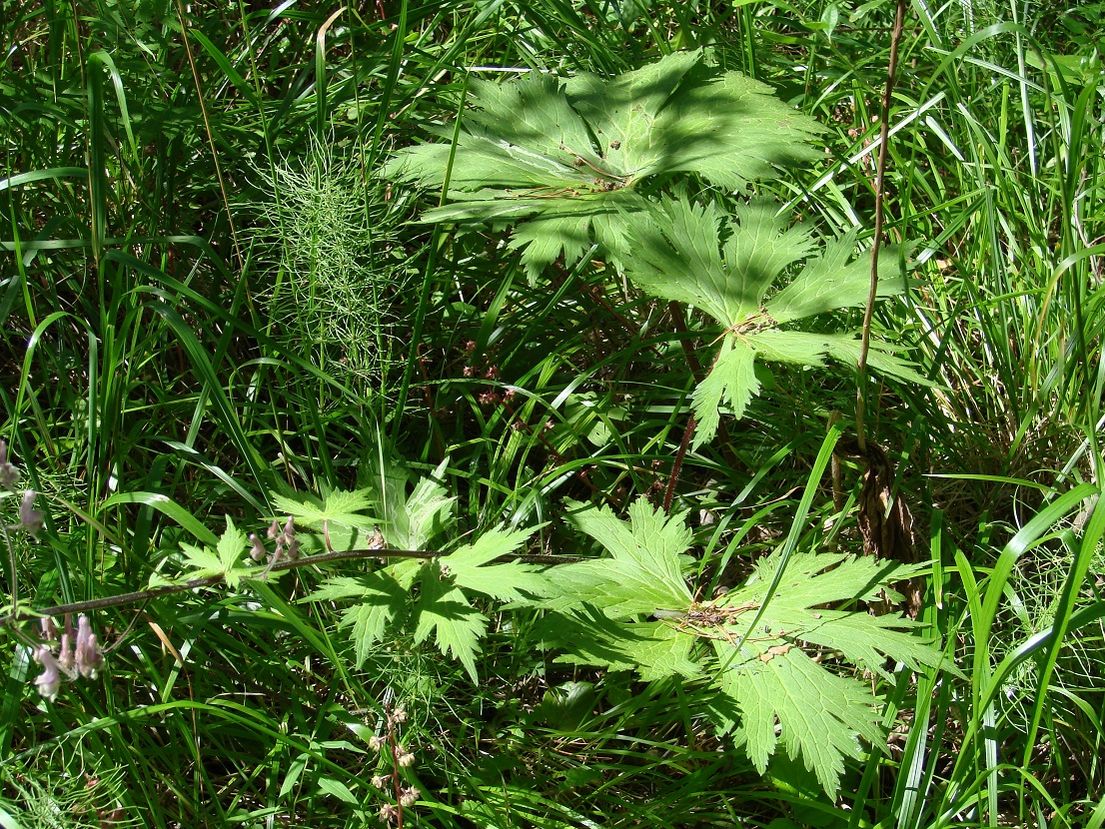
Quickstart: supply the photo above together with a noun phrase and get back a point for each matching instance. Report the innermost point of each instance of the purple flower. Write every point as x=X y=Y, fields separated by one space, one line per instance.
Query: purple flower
x=89 y=657
x=67 y=657
x=290 y=540
x=29 y=517
x=49 y=681
x=9 y=473
x=257 y=549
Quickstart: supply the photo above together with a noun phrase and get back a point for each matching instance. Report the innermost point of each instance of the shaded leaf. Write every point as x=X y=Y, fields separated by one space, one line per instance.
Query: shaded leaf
x=565 y=158
x=685 y=252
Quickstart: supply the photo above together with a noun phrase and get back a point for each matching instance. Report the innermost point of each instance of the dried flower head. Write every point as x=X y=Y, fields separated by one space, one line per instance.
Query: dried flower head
x=379 y=781
x=408 y=795
x=389 y=813
x=405 y=759
x=376 y=742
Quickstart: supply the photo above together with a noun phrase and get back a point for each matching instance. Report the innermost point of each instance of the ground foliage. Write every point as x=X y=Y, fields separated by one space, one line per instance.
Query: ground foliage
x=453 y=280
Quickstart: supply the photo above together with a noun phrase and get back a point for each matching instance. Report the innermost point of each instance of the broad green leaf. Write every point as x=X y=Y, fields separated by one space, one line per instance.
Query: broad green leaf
x=694 y=254
x=204 y=562
x=411 y=522
x=444 y=611
x=732 y=380
x=201 y=561
x=567 y=159
x=784 y=696
x=510 y=581
x=655 y=650
x=644 y=574
x=338 y=507
x=383 y=599
x=835 y=279
x=771 y=688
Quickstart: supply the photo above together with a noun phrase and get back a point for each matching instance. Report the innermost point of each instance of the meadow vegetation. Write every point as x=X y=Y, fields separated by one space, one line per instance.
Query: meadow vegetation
x=445 y=415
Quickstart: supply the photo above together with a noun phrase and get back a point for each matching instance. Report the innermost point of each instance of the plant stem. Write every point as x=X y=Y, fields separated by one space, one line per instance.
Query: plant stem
x=880 y=175
x=138 y=596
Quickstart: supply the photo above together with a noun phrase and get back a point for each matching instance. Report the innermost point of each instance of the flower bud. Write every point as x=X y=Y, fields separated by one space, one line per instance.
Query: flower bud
x=9 y=473
x=67 y=657
x=257 y=550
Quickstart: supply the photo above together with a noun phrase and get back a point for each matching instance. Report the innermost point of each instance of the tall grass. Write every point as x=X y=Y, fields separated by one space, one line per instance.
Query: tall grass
x=208 y=297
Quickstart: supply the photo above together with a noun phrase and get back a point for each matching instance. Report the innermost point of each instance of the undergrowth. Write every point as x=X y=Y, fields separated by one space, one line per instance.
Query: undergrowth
x=445 y=415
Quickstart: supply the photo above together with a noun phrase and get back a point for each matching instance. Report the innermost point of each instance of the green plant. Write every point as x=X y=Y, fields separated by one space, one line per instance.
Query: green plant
x=727 y=267
x=337 y=279
x=572 y=162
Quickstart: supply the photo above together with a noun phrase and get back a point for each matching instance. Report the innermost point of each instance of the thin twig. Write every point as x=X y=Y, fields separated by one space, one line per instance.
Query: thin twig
x=140 y=596
x=677 y=467
x=880 y=175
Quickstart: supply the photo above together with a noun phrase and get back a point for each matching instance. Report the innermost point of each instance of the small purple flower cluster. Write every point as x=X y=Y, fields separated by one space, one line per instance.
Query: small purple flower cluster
x=79 y=654
x=287 y=546
x=30 y=519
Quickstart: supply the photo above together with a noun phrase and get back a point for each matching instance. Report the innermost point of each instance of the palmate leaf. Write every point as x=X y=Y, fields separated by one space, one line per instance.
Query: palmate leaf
x=768 y=684
x=644 y=573
x=222 y=560
x=768 y=672
x=727 y=268
x=383 y=599
x=564 y=159
x=410 y=522
x=442 y=608
x=470 y=569
x=339 y=508
x=444 y=611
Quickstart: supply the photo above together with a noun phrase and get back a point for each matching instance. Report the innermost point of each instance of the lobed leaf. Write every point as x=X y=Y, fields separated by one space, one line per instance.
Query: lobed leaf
x=515 y=580
x=565 y=159
x=727 y=268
